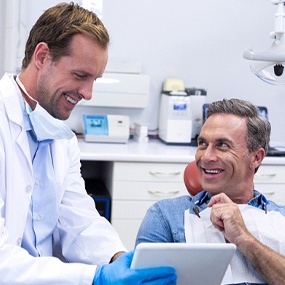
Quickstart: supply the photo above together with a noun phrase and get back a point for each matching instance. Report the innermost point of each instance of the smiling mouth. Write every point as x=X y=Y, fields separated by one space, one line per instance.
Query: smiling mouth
x=70 y=100
x=212 y=171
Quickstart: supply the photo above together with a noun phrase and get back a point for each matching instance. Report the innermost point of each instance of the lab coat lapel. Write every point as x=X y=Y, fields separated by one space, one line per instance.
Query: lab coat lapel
x=58 y=152
x=19 y=174
x=14 y=113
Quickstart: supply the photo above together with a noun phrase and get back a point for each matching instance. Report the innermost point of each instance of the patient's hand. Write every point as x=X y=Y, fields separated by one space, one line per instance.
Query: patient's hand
x=227 y=218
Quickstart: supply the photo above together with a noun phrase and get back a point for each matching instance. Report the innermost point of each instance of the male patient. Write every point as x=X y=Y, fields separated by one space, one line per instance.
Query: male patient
x=231 y=146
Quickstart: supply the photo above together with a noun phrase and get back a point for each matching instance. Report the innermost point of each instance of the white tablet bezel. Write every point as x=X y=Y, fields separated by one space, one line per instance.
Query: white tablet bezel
x=195 y=263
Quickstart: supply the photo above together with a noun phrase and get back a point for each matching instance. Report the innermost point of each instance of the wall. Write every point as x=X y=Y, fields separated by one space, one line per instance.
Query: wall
x=2 y=32
x=201 y=42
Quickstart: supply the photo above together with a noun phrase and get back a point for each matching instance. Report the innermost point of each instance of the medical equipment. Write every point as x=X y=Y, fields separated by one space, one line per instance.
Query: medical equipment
x=175 y=121
x=122 y=86
x=106 y=128
x=269 y=64
x=180 y=114
x=197 y=99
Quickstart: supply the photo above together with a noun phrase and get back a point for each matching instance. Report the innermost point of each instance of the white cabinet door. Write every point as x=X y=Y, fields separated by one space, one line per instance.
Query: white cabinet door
x=270 y=181
x=136 y=186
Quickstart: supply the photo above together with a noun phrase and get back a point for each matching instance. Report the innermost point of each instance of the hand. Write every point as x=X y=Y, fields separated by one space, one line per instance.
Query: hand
x=119 y=273
x=226 y=217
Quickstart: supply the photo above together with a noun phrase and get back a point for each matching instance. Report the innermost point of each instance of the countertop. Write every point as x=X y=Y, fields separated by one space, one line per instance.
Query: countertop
x=152 y=151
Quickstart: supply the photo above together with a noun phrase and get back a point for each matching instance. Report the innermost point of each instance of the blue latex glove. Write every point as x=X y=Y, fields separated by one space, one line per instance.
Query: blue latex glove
x=119 y=273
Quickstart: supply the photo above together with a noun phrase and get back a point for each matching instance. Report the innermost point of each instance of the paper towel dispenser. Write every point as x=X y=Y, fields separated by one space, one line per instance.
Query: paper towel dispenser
x=121 y=90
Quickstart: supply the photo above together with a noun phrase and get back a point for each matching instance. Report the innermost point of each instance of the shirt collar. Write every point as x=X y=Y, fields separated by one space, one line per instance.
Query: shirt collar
x=258 y=200
x=204 y=197
x=27 y=122
x=201 y=198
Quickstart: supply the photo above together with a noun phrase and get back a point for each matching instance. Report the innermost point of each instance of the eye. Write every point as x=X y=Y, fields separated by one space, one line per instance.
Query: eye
x=201 y=143
x=80 y=76
x=222 y=145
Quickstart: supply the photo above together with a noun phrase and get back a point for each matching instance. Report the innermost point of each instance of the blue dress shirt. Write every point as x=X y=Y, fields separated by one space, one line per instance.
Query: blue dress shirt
x=43 y=214
x=164 y=221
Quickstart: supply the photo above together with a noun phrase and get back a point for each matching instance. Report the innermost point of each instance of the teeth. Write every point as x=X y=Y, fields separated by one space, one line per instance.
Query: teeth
x=212 y=171
x=69 y=99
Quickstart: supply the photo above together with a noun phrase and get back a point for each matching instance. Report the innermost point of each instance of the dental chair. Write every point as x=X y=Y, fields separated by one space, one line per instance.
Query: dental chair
x=192 y=179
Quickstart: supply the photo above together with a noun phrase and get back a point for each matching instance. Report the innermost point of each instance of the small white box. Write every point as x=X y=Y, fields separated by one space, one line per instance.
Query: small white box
x=140 y=139
x=141 y=130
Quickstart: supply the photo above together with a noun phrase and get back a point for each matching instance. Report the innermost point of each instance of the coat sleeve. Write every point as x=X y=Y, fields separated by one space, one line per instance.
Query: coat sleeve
x=84 y=235
x=18 y=267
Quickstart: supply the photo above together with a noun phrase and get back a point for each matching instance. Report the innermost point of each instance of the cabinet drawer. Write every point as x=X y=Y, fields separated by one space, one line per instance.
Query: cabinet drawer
x=270 y=174
x=124 y=190
x=274 y=192
x=130 y=209
x=138 y=171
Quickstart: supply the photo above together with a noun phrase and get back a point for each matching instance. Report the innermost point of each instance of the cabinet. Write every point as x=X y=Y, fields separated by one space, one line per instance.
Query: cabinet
x=270 y=180
x=136 y=186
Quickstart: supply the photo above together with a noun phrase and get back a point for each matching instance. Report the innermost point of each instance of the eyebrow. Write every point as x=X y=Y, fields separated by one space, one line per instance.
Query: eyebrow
x=221 y=139
x=82 y=72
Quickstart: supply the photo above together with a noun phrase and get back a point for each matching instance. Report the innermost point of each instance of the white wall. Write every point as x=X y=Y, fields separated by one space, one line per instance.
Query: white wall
x=201 y=42
x=2 y=32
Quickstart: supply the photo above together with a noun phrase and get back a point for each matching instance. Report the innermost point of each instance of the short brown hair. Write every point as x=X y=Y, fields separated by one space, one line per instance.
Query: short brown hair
x=58 y=24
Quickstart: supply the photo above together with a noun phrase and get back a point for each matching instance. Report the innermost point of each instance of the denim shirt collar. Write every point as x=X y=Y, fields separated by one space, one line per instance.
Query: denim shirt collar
x=258 y=201
x=202 y=199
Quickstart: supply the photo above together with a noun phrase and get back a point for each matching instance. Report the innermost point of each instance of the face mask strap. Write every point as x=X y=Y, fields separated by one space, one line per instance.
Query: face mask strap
x=20 y=84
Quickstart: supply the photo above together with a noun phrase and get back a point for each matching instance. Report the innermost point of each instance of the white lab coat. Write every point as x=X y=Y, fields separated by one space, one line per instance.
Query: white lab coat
x=84 y=237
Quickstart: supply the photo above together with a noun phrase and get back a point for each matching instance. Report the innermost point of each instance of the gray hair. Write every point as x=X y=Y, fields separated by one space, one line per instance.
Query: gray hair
x=258 y=127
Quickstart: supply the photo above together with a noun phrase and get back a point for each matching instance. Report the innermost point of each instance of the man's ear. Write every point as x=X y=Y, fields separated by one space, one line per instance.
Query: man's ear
x=41 y=54
x=258 y=157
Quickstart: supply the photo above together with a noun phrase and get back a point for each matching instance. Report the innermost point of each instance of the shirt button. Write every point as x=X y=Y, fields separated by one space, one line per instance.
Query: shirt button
x=19 y=241
x=38 y=217
x=28 y=189
x=37 y=182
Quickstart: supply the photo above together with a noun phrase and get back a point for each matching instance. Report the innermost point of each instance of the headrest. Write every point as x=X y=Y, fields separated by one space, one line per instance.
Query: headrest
x=192 y=179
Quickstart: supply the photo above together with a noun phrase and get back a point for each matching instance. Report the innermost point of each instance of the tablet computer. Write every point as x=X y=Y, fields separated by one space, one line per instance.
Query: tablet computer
x=195 y=263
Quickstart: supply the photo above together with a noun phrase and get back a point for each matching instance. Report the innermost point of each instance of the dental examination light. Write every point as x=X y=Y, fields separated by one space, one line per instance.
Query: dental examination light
x=269 y=65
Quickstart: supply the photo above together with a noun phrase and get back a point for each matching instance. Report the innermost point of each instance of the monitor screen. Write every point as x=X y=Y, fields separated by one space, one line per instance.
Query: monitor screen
x=262 y=111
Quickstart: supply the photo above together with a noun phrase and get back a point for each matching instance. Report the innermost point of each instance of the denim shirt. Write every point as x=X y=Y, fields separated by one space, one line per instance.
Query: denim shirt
x=164 y=221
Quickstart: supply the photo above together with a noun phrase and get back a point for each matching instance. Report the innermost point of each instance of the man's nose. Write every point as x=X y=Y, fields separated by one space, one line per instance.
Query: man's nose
x=86 y=90
x=209 y=154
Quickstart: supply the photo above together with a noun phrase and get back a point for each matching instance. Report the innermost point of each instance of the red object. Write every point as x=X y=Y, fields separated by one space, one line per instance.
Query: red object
x=192 y=179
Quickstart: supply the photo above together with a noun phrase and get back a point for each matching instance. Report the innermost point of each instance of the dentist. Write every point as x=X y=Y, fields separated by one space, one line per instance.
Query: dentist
x=50 y=231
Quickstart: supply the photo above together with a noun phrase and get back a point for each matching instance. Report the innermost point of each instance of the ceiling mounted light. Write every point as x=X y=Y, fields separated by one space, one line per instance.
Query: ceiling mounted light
x=269 y=65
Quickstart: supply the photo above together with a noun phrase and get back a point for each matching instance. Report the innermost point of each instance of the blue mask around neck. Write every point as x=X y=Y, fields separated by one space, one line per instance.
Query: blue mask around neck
x=44 y=125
